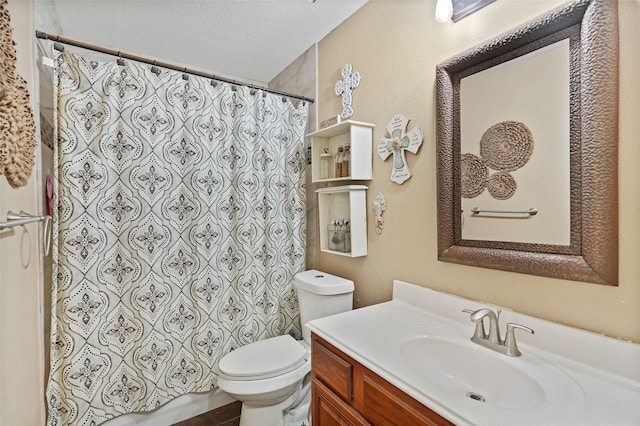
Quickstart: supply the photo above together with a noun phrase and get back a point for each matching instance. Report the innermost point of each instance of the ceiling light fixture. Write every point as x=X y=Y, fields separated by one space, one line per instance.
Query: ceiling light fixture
x=444 y=10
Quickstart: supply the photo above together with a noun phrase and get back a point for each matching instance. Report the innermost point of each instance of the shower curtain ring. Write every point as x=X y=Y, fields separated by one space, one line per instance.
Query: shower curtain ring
x=120 y=61
x=155 y=69
x=57 y=45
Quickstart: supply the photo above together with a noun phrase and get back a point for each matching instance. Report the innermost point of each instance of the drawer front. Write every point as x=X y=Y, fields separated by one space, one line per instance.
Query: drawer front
x=384 y=404
x=332 y=370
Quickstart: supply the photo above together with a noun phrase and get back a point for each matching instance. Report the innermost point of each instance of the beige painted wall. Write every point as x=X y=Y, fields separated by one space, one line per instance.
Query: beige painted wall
x=395 y=45
x=21 y=351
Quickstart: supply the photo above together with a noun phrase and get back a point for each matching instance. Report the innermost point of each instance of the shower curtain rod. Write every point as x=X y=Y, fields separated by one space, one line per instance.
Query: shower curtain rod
x=64 y=40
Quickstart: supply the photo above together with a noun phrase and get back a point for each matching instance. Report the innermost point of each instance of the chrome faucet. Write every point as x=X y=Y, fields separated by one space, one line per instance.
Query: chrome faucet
x=492 y=339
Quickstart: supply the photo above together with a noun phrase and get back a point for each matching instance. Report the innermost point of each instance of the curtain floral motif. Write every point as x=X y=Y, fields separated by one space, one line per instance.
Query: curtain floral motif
x=180 y=223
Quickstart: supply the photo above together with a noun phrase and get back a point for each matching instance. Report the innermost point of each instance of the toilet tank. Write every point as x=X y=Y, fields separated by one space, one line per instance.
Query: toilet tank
x=320 y=295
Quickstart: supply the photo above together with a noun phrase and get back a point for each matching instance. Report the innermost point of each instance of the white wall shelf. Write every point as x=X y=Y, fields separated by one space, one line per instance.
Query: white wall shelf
x=344 y=202
x=358 y=135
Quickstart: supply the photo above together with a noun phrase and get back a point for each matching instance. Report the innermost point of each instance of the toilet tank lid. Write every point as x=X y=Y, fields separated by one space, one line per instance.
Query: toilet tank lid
x=322 y=283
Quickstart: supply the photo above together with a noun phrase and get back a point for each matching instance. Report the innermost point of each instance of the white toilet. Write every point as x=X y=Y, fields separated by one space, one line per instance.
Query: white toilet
x=267 y=375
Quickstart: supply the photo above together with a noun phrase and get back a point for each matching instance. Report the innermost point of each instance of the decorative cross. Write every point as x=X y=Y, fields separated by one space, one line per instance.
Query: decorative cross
x=397 y=144
x=344 y=87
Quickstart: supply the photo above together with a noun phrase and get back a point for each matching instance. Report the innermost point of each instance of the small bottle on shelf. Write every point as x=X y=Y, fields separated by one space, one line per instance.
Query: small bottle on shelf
x=347 y=237
x=331 y=230
x=326 y=164
x=338 y=162
x=346 y=161
x=339 y=235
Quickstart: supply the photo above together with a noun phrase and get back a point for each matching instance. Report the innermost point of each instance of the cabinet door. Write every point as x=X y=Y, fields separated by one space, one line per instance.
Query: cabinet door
x=330 y=410
x=384 y=404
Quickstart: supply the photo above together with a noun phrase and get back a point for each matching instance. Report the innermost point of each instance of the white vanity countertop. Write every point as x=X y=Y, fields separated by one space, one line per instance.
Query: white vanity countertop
x=598 y=377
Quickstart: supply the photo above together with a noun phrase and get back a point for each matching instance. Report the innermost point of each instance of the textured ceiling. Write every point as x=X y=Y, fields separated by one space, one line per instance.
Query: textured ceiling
x=251 y=40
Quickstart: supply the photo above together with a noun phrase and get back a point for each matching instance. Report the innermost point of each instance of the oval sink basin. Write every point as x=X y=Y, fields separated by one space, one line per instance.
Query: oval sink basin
x=463 y=369
x=473 y=373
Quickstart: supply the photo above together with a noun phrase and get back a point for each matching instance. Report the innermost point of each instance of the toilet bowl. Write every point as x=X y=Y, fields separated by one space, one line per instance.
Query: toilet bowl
x=266 y=376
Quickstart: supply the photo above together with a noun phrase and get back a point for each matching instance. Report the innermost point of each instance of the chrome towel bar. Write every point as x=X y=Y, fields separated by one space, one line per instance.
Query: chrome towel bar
x=531 y=212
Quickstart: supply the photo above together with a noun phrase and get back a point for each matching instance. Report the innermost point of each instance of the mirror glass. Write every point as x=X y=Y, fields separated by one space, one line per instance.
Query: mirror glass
x=514 y=139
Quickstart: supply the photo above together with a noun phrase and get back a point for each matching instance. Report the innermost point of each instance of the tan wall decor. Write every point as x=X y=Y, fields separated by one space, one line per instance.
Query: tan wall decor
x=379 y=206
x=589 y=31
x=17 y=127
x=505 y=147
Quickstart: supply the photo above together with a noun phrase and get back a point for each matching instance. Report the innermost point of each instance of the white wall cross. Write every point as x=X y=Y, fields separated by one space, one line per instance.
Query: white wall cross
x=344 y=87
x=399 y=142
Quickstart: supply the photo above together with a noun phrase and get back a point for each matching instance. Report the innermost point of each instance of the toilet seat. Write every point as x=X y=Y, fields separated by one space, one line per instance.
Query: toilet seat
x=264 y=359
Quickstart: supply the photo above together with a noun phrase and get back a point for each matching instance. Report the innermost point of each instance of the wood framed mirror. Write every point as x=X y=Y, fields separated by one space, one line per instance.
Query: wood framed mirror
x=585 y=34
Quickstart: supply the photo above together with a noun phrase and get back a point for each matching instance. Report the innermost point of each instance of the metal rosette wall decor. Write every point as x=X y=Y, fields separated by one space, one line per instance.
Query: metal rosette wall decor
x=17 y=127
x=505 y=147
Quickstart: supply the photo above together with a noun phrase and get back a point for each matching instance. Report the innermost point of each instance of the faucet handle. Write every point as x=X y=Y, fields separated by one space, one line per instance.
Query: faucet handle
x=512 y=326
x=510 y=339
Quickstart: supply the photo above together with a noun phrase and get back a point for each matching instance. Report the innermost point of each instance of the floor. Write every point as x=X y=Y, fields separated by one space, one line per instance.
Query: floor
x=228 y=415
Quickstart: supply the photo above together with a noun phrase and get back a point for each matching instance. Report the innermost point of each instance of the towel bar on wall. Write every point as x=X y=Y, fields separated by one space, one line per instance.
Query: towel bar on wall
x=22 y=218
x=531 y=212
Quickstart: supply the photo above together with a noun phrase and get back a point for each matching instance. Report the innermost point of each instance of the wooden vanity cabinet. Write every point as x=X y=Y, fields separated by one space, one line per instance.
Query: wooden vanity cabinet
x=344 y=392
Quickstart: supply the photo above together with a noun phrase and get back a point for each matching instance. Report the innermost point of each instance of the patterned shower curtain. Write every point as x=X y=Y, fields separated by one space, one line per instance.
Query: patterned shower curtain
x=180 y=225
